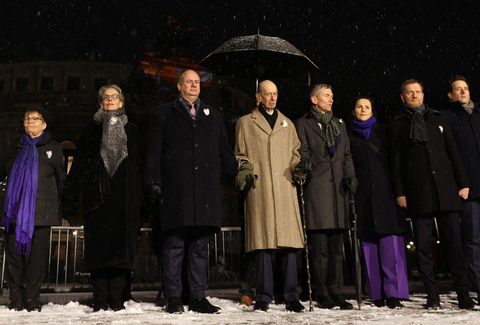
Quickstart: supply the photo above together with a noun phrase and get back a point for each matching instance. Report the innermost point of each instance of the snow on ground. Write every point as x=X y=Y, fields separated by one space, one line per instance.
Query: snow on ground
x=232 y=313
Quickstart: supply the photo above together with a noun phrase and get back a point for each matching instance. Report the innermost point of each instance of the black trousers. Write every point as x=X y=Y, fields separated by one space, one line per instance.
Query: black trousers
x=27 y=286
x=174 y=248
x=326 y=251
x=451 y=242
x=265 y=279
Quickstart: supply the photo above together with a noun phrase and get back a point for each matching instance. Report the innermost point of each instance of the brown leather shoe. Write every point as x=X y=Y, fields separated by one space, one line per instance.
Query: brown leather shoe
x=246 y=301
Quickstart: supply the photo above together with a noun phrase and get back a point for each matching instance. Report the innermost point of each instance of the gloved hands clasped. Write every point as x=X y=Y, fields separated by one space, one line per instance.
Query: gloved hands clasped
x=303 y=168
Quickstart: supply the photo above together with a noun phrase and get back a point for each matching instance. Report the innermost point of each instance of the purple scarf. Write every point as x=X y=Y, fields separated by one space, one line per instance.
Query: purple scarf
x=364 y=127
x=21 y=194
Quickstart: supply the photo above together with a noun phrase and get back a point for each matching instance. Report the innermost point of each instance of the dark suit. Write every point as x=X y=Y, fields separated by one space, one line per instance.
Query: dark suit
x=186 y=157
x=430 y=175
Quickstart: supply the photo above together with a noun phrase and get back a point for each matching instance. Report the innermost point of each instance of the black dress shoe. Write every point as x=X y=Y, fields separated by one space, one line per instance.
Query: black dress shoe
x=32 y=305
x=325 y=302
x=174 y=305
x=16 y=304
x=294 y=306
x=394 y=303
x=116 y=304
x=203 y=306
x=261 y=306
x=339 y=301
x=379 y=303
x=465 y=302
x=433 y=301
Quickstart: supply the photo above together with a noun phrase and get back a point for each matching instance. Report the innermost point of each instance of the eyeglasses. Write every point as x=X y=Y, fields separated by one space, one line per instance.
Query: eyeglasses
x=114 y=97
x=33 y=119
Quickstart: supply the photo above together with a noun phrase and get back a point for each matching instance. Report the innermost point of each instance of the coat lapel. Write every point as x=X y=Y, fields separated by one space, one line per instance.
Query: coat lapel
x=261 y=122
x=316 y=128
x=178 y=106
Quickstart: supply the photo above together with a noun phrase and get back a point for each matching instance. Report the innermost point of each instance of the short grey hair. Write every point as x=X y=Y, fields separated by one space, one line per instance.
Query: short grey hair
x=102 y=90
x=315 y=89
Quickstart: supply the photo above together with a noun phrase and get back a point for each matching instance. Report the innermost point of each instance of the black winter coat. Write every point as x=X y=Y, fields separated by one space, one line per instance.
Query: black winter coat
x=51 y=176
x=186 y=157
x=377 y=210
x=428 y=174
x=466 y=132
x=111 y=228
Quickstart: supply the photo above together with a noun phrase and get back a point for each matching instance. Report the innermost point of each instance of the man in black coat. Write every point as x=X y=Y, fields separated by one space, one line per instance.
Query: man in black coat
x=187 y=151
x=429 y=180
x=464 y=118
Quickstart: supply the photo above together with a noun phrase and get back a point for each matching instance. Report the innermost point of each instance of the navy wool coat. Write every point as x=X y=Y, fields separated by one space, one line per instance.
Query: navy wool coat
x=377 y=210
x=428 y=174
x=466 y=132
x=186 y=157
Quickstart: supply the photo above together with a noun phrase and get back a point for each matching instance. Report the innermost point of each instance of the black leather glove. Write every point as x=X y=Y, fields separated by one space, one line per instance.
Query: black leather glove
x=307 y=165
x=154 y=192
x=299 y=173
x=245 y=176
x=350 y=184
x=69 y=207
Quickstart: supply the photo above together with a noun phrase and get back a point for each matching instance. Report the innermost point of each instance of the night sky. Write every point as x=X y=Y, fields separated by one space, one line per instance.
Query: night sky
x=361 y=47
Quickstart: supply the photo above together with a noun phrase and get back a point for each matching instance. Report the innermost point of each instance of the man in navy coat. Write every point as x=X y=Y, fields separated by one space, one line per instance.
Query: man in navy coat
x=464 y=118
x=187 y=151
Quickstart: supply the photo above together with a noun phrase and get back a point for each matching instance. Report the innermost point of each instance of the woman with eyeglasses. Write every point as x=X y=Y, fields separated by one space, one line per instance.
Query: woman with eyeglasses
x=35 y=175
x=106 y=170
x=381 y=223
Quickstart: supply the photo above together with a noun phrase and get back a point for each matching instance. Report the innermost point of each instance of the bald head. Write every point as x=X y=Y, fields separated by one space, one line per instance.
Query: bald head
x=267 y=95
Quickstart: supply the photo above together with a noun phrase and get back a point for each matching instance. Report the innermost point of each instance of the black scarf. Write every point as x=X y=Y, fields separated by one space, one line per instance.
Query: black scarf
x=418 y=128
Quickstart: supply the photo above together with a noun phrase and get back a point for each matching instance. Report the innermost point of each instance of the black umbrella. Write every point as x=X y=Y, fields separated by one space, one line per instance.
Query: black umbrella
x=356 y=248
x=258 y=56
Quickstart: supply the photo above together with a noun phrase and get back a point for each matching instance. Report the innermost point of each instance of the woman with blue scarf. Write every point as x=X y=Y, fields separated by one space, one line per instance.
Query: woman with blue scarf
x=381 y=223
x=35 y=170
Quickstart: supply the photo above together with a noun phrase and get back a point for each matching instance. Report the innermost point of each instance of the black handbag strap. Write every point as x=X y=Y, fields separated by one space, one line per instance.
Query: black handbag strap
x=375 y=148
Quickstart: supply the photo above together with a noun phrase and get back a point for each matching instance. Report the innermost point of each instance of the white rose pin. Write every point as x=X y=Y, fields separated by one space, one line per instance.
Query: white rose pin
x=113 y=120
x=48 y=154
x=284 y=123
x=340 y=121
x=440 y=128
x=206 y=111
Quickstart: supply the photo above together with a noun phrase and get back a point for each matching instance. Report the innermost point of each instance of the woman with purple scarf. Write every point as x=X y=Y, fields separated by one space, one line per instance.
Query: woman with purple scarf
x=381 y=223
x=35 y=172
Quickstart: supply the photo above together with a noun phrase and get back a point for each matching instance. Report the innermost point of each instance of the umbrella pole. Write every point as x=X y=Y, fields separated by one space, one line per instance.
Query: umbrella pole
x=356 y=245
x=304 y=221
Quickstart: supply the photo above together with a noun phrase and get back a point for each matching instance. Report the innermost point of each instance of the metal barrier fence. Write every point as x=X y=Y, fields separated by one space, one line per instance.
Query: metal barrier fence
x=65 y=268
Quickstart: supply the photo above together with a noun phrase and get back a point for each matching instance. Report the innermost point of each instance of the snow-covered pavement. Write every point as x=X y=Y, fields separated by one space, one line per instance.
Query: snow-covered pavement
x=232 y=313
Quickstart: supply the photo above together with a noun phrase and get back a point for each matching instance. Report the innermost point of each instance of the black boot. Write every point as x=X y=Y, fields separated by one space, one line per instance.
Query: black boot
x=100 y=290
x=16 y=304
x=32 y=305
x=116 y=284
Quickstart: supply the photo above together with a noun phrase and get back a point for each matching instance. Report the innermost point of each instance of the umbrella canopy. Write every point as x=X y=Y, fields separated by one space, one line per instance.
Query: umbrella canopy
x=258 y=56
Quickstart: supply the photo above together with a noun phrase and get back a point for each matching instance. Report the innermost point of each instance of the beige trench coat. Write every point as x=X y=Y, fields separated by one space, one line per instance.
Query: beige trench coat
x=272 y=215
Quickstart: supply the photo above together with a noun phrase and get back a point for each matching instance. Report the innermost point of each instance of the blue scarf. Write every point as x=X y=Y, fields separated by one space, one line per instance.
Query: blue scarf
x=21 y=194
x=364 y=127
x=418 y=128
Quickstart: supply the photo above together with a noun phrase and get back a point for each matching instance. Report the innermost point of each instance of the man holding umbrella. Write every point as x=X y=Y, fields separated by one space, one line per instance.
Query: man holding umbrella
x=267 y=146
x=326 y=145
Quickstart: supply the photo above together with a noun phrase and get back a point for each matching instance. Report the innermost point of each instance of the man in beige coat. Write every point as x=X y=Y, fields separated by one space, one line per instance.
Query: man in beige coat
x=267 y=146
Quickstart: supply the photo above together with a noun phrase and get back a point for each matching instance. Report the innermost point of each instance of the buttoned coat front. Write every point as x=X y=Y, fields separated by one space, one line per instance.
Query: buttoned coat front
x=428 y=174
x=272 y=215
x=186 y=157
x=326 y=201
